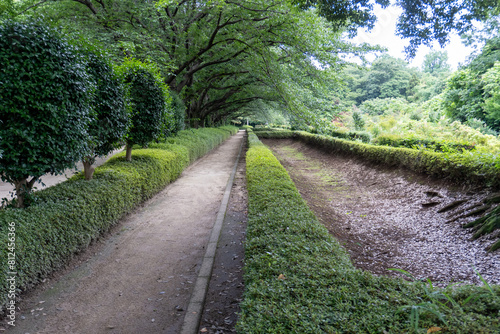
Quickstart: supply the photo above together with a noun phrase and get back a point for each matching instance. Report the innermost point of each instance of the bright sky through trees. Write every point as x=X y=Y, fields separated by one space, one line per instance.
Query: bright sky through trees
x=384 y=34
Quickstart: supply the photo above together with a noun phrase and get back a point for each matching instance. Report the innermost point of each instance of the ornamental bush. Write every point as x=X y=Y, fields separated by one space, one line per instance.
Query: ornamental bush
x=110 y=115
x=148 y=97
x=44 y=104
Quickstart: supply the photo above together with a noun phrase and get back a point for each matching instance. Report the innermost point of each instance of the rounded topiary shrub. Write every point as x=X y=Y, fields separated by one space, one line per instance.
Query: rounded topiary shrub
x=110 y=115
x=44 y=109
x=148 y=98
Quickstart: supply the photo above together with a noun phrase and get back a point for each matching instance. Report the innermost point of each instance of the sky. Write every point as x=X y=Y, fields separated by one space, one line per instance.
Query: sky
x=384 y=34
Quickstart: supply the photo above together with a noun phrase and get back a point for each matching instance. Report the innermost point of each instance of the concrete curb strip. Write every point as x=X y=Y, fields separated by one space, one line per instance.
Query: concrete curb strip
x=195 y=307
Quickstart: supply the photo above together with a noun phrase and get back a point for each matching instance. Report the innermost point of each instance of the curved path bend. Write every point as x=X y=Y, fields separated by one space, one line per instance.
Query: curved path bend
x=139 y=279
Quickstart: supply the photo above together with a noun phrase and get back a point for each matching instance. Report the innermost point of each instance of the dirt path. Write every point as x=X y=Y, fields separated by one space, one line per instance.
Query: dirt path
x=389 y=219
x=140 y=279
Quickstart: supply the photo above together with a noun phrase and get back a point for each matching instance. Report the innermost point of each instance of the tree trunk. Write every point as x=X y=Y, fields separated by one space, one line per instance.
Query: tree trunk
x=21 y=189
x=128 y=156
x=88 y=169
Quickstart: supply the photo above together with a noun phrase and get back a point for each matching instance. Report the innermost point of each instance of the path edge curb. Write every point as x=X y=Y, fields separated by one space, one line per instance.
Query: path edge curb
x=195 y=307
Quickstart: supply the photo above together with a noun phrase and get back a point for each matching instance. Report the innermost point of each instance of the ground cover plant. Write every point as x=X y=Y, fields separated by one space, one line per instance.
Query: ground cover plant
x=298 y=279
x=66 y=218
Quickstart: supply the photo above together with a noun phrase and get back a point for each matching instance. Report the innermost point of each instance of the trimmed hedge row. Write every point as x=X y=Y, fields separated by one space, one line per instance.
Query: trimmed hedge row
x=65 y=218
x=298 y=279
x=465 y=168
x=415 y=142
x=351 y=135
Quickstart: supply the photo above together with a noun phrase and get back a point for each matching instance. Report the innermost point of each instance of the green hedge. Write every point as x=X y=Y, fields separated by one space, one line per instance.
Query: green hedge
x=65 y=218
x=423 y=143
x=465 y=168
x=298 y=279
x=351 y=135
x=286 y=133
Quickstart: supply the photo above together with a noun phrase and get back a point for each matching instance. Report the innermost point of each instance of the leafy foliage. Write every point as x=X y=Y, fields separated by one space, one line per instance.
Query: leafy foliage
x=423 y=143
x=427 y=20
x=359 y=122
x=387 y=77
x=44 y=104
x=436 y=62
x=179 y=113
x=472 y=92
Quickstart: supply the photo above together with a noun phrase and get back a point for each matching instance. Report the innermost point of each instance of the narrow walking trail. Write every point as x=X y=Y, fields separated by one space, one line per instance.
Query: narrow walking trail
x=140 y=278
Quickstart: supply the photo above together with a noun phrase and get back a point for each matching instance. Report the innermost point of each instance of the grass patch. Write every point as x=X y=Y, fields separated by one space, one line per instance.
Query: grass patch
x=298 y=279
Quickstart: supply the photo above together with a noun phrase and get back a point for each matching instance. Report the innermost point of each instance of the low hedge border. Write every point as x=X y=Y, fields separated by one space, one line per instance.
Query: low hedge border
x=459 y=168
x=298 y=279
x=64 y=219
x=424 y=143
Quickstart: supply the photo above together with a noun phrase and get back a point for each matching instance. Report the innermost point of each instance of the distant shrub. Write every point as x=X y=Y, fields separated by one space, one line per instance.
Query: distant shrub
x=416 y=115
x=379 y=106
x=359 y=122
x=178 y=115
x=350 y=135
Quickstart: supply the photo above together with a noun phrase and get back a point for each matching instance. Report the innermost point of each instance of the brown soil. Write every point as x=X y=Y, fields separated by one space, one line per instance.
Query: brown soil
x=389 y=218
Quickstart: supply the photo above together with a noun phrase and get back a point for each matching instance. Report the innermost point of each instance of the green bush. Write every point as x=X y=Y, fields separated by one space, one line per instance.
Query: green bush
x=44 y=103
x=179 y=113
x=423 y=143
x=359 y=122
x=364 y=136
x=148 y=98
x=65 y=218
x=298 y=279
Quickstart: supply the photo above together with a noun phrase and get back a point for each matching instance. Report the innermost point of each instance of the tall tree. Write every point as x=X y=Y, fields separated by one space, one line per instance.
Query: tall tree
x=436 y=62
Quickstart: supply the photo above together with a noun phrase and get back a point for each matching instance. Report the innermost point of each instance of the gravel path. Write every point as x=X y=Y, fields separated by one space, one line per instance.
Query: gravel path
x=140 y=278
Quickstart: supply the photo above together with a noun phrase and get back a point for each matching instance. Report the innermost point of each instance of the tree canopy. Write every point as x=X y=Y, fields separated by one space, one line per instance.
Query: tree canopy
x=223 y=55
